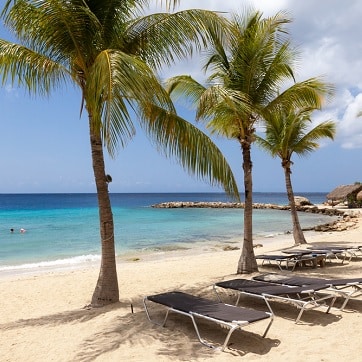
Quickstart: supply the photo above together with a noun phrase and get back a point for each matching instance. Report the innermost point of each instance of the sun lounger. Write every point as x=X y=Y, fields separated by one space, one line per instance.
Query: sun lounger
x=305 y=257
x=303 y=298
x=347 y=251
x=292 y=259
x=195 y=307
x=346 y=288
x=281 y=261
x=331 y=253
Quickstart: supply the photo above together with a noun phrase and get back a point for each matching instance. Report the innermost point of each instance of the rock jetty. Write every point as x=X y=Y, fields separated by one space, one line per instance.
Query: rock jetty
x=346 y=218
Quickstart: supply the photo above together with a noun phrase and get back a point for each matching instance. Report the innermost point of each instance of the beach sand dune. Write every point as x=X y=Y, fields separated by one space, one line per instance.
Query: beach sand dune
x=44 y=316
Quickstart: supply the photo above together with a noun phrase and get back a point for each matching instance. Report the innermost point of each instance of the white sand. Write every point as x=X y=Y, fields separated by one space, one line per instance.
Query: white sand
x=43 y=319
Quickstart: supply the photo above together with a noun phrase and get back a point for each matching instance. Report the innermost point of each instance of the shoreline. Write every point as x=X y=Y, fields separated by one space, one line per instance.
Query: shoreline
x=262 y=244
x=185 y=249
x=45 y=315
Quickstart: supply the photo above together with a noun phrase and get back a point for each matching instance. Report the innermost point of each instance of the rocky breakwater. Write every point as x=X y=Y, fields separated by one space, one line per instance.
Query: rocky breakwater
x=347 y=219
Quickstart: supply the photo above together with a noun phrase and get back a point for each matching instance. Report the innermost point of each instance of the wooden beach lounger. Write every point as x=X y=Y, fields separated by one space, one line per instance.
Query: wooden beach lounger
x=303 y=298
x=346 y=288
x=195 y=307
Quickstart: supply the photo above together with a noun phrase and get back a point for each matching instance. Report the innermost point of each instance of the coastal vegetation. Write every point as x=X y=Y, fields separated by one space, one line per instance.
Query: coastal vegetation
x=250 y=75
x=288 y=131
x=111 y=52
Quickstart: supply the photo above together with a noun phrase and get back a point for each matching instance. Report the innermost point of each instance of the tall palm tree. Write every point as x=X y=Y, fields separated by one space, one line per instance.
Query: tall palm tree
x=288 y=132
x=110 y=50
x=247 y=74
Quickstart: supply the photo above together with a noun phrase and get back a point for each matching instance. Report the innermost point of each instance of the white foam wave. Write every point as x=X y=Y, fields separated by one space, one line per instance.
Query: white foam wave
x=54 y=263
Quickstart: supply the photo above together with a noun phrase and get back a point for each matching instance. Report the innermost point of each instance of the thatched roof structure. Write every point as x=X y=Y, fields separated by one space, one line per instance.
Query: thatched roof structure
x=341 y=193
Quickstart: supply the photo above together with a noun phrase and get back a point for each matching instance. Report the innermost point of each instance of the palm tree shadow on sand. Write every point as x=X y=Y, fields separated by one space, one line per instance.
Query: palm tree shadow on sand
x=178 y=338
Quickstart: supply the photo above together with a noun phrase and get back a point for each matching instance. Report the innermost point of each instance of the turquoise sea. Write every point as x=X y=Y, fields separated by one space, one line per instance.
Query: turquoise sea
x=62 y=229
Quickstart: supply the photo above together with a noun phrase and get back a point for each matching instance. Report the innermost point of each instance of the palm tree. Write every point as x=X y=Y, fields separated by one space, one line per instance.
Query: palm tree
x=111 y=52
x=288 y=132
x=248 y=71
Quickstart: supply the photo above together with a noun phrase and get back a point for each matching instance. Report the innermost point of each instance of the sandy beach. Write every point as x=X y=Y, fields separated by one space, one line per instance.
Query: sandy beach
x=44 y=316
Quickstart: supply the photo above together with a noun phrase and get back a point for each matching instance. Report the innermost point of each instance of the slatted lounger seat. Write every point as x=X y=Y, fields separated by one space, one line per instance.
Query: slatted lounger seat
x=346 y=288
x=195 y=307
x=303 y=298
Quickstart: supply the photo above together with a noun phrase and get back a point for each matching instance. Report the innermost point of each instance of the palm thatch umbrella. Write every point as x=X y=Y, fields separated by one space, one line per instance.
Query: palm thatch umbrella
x=344 y=193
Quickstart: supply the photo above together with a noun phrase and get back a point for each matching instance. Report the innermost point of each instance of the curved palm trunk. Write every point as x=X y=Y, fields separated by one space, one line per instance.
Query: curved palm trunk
x=106 y=291
x=247 y=262
x=297 y=230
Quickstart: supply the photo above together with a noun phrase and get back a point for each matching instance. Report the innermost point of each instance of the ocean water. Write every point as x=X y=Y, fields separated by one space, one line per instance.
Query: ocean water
x=63 y=229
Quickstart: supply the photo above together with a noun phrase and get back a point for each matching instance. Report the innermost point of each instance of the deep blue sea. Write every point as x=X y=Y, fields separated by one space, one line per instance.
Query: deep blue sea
x=63 y=229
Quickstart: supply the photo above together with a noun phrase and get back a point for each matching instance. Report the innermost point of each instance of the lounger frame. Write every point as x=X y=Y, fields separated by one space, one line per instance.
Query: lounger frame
x=348 y=291
x=232 y=326
x=345 y=288
x=344 y=252
x=292 y=260
x=279 y=260
x=303 y=299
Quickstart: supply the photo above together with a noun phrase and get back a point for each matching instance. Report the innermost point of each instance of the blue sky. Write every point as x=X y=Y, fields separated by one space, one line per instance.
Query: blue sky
x=45 y=145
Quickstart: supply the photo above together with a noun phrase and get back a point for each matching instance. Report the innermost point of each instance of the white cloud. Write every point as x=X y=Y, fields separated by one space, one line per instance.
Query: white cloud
x=350 y=126
x=327 y=33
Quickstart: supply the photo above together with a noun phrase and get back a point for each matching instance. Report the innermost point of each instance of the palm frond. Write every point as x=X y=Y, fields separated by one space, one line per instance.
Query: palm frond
x=177 y=138
x=288 y=132
x=311 y=93
x=116 y=83
x=160 y=39
x=58 y=29
x=25 y=67
x=185 y=86
x=309 y=142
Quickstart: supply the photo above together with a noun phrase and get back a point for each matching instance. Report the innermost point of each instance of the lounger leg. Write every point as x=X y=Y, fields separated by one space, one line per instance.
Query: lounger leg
x=198 y=333
x=228 y=337
x=231 y=331
x=348 y=295
x=300 y=314
x=153 y=321
x=226 y=341
x=295 y=264
x=332 y=303
x=269 y=325
x=316 y=305
x=346 y=299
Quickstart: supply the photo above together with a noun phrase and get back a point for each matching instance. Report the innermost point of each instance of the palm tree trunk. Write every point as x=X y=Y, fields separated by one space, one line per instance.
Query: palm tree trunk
x=297 y=230
x=247 y=262
x=106 y=291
